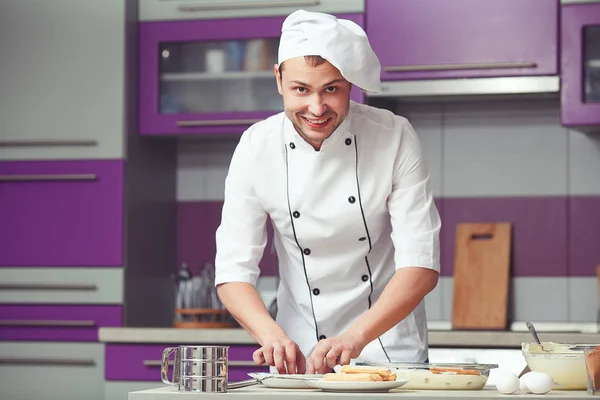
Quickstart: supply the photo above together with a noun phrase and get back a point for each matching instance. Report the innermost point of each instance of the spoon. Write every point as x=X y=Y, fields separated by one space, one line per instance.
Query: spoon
x=533 y=332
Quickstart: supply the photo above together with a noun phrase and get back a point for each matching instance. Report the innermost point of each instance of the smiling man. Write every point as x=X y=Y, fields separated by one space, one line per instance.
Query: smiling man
x=348 y=192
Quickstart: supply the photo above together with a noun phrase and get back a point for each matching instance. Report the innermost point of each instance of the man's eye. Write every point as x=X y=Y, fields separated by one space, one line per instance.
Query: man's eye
x=300 y=90
x=331 y=89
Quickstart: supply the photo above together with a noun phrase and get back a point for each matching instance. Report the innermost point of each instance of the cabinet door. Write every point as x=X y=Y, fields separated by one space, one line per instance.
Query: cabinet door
x=209 y=9
x=432 y=39
x=210 y=76
x=61 y=213
x=142 y=362
x=53 y=371
x=61 y=79
x=61 y=286
x=56 y=323
x=580 y=64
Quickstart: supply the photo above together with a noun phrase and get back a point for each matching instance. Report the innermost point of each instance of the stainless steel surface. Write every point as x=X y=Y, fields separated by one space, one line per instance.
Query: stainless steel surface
x=533 y=332
x=47 y=143
x=578 y=1
x=48 y=177
x=258 y=4
x=48 y=361
x=158 y=363
x=470 y=86
x=216 y=122
x=42 y=322
x=47 y=286
x=453 y=67
x=197 y=368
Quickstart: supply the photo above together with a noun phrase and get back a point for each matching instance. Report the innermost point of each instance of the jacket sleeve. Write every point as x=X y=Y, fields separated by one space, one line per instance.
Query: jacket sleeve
x=241 y=236
x=414 y=216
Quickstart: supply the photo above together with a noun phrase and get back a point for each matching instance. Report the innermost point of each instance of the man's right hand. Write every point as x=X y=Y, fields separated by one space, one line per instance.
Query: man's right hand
x=283 y=354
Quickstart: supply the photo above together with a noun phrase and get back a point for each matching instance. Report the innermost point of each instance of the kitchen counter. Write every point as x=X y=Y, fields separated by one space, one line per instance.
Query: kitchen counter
x=259 y=392
x=437 y=338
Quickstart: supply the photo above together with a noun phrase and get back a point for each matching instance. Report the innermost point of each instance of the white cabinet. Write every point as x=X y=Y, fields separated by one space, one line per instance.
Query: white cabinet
x=51 y=371
x=61 y=285
x=150 y=10
x=62 y=76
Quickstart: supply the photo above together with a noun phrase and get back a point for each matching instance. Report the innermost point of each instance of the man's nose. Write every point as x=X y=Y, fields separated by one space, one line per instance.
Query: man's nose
x=316 y=105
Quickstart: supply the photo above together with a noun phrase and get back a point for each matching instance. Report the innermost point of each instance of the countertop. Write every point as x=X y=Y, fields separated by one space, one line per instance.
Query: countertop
x=437 y=338
x=170 y=393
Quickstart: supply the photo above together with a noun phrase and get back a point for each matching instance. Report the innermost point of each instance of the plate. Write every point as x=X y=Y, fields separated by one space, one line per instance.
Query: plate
x=341 y=386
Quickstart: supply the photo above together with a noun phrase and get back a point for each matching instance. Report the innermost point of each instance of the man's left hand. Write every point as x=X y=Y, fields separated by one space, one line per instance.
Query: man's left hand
x=333 y=351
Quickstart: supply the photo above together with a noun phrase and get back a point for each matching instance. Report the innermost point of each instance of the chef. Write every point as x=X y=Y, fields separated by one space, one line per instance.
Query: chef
x=348 y=193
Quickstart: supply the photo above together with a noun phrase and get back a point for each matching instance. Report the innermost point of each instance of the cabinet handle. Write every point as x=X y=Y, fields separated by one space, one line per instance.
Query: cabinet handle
x=48 y=177
x=47 y=143
x=217 y=122
x=157 y=363
x=48 y=361
x=448 y=67
x=258 y=4
x=47 y=286
x=40 y=322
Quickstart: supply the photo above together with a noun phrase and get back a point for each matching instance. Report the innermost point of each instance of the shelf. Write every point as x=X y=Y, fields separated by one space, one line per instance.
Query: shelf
x=205 y=76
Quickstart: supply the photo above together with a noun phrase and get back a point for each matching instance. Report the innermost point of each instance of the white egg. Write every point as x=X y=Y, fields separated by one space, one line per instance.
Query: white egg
x=538 y=382
x=523 y=386
x=507 y=382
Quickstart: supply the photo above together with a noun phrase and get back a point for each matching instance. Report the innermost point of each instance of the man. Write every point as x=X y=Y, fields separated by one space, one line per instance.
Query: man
x=348 y=192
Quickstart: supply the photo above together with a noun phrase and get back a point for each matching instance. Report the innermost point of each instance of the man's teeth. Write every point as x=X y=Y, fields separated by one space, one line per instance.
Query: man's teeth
x=317 y=121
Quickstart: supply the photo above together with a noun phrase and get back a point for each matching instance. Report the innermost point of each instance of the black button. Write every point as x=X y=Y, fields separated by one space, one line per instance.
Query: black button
x=306 y=251
x=365 y=278
x=292 y=145
x=351 y=199
x=316 y=291
x=322 y=337
x=348 y=142
x=362 y=239
x=296 y=214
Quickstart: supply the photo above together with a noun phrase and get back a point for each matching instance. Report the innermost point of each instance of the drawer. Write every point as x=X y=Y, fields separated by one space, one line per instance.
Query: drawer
x=57 y=323
x=65 y=371
x=61 y=213
x=119 y=390
x=153 y=10
x=141 y=362
x=61 y=285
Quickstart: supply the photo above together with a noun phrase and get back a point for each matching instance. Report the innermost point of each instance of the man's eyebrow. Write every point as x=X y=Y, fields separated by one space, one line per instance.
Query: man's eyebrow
x=339 y=80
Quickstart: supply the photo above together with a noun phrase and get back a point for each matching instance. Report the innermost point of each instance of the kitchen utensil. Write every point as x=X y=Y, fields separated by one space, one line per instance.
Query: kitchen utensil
x=356 y=387
x=533 y=332
x=439 y=376
x=285 y=381
x=200 y=369
x=481 y=276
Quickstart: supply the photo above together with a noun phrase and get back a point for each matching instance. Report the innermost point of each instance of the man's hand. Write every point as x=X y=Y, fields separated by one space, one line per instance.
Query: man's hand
x=283 y=354
x=333 y=351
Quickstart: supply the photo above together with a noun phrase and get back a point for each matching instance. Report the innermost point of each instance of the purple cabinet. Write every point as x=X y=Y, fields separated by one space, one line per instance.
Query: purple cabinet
x=580 y=64
x=209 y=76
x=141 y=362
x=61 y=213
x=433 y=39
x=56 y=323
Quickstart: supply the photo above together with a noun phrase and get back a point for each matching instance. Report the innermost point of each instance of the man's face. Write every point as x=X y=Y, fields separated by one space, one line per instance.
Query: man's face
x=316 y=99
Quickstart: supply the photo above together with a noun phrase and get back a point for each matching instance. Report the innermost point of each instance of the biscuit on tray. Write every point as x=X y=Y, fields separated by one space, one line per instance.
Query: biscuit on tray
x=353 y=377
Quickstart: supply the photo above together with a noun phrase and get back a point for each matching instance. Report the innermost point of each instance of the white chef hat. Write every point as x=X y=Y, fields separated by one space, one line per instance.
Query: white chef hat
x=341 y=42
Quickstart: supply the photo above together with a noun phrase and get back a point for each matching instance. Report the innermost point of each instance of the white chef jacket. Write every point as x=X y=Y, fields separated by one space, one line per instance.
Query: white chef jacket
x=345 y=218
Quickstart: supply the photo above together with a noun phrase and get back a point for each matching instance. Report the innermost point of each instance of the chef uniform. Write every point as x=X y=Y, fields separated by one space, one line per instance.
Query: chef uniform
x=345 y=217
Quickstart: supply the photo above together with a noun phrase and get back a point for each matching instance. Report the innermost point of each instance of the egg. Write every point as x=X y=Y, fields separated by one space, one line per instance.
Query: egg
x=523 y=386
x=507 y=382
x=538 y=382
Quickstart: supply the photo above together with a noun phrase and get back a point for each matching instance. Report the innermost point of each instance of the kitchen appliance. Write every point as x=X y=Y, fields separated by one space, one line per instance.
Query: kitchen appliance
x=199 y=369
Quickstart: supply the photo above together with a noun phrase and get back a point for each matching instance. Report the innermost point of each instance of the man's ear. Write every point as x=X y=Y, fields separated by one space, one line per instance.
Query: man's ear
x=278 y=78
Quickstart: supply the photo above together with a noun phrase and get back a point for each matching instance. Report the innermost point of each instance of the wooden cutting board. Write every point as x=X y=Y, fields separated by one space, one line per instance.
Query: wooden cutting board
x=481 y=276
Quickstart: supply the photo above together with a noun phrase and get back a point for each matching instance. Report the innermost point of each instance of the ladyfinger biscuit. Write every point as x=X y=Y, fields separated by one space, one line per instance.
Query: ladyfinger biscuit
x=391 y=377
x=353 y=369
x=352 y=377
x=457 y=371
